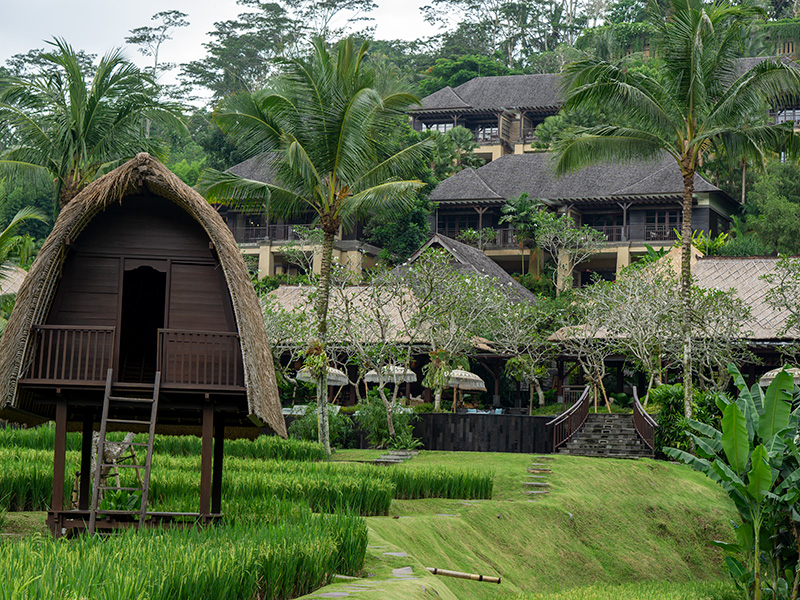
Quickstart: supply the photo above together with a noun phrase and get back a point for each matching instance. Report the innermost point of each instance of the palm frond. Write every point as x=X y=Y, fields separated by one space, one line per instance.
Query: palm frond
x=606 y=144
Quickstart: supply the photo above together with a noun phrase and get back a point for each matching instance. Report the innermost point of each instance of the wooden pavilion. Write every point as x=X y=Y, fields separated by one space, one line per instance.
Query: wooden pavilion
x=138 y=315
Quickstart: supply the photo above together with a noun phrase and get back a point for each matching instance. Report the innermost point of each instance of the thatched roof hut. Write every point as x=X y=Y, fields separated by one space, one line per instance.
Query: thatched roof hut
x=146 y=183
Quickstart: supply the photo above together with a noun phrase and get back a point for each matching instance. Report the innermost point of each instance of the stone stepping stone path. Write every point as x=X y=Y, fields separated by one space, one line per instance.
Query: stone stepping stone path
x=538 y=470
x=395 y=457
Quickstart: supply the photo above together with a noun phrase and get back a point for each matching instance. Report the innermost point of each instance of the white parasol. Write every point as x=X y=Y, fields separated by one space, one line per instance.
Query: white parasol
x=335 y=376
x=464 y=380
x=767 y=378
x=393 y=374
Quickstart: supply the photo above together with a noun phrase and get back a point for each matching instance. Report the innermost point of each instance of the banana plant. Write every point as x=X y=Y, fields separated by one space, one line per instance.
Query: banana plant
x=755 y=460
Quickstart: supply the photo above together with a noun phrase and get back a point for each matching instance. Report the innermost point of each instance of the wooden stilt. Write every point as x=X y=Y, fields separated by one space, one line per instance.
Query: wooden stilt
x=59 y=456
x=86 y=463
x=216 y=479
x=205 y=459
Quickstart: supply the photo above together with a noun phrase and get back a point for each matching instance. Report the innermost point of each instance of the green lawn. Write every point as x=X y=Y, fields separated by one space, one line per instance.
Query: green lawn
x=643 y=524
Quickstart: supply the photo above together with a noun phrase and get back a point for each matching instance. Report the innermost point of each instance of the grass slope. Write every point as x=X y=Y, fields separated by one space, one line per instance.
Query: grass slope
x=605 y=522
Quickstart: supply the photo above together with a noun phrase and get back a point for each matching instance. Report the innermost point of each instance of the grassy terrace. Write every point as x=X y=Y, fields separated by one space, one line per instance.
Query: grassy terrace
x=615 y=529
x=293 y=522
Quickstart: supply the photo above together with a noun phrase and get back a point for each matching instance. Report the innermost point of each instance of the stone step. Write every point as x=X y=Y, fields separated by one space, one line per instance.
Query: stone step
x=536 y=483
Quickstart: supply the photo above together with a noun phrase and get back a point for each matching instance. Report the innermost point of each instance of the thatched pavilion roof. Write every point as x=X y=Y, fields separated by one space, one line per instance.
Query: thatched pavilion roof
x=141 y=174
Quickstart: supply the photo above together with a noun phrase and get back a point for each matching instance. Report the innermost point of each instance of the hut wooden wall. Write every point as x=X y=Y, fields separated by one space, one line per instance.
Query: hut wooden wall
x=143 y=231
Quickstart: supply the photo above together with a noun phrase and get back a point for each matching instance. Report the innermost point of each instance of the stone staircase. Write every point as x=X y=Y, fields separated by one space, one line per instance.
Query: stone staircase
x=607 y=435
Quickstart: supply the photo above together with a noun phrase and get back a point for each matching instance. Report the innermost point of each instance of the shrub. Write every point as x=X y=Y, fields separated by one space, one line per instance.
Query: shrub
x=371 y=419
x=622 y=400
x=427 y=407
x=672 y=424
x=340 y=426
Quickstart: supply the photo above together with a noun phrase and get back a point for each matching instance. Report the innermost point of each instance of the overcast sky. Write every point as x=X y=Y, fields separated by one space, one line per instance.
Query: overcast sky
x=99 y=25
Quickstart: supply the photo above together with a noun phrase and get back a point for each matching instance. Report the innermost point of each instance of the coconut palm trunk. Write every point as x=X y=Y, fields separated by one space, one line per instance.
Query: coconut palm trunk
x=686 y=285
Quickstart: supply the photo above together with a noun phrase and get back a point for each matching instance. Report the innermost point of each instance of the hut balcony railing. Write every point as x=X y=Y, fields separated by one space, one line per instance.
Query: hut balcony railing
x=71 y=354
x=199 y=359
x=645 y=424
x=567 y=423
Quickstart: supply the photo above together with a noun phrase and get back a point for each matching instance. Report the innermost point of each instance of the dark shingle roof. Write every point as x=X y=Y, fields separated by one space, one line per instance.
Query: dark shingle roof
x=503 y=91
x=471 y=260
x=513 y=174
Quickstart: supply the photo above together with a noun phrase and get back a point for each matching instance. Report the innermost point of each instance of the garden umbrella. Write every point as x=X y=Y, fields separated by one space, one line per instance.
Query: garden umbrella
x=460 y=379
x=464 y=380
x=393 y=373
x=767 y=378
x=335 y=376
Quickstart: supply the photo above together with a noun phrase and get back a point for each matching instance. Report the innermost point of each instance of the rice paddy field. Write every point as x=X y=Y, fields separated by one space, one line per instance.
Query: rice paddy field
x=292 y=522
x=297 y=526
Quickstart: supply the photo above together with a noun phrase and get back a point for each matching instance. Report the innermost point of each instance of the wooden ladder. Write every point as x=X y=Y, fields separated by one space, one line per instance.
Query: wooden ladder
x=110 y=403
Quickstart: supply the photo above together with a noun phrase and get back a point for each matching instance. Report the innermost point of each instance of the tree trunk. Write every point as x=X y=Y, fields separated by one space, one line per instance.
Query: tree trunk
x=323 y=297
x=686 y=285
x=437 y=400
x=744 y=179
x=539 y=391
x=389 y=410
x=522 y=257
x=649 y=387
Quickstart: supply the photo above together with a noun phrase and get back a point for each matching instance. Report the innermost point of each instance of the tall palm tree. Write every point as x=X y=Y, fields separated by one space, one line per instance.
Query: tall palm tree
x=697 y=105
x=66 y=125
x=326 y=125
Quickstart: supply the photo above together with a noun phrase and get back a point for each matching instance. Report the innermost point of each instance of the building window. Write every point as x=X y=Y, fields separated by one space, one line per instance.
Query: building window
x=786 y=47
x=450 y=225
x=487 y=133
x=789 y=114
x=440 y=127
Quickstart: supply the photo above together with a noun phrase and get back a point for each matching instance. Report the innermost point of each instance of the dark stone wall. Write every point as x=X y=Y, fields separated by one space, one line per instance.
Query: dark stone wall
x=484 y=433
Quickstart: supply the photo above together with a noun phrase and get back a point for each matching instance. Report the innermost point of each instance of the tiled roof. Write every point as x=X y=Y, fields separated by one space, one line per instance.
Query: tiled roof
x=502 y=91
x=513 y=174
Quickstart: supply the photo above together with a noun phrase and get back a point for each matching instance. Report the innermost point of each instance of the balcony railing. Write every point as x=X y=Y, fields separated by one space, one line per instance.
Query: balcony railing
x=199 y=359
x=503 y=237
x=483 y=136
x=638 y=233
x=72 y=354
x=528 y=135
x=256 y=233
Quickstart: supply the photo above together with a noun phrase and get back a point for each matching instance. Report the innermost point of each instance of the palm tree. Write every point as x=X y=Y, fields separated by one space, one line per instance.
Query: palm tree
x=520 y=212
x=65 y=125
x=326 y=125
x=696 y=106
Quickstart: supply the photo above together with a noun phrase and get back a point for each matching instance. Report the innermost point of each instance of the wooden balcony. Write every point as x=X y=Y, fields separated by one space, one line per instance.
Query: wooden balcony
x=188 y=360
x=71 y=354
x=199 y=359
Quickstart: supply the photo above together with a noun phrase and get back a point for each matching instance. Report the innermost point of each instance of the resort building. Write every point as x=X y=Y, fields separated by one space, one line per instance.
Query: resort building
x=502 y=112
x=633 y=205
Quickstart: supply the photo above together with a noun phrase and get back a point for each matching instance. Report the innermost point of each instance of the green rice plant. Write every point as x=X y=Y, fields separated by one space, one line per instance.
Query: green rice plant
x=228 y=561
x=411 y=484
x=265 y=447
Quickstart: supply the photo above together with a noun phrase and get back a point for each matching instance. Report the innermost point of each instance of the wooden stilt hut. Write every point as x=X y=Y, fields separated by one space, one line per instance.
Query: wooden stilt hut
x=138 y=315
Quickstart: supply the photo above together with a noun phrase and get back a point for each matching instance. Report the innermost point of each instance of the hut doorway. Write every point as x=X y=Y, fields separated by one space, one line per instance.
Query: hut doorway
x=142 y=315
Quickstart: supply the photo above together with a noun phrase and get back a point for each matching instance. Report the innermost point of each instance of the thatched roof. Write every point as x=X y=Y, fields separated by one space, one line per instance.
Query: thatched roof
x=744 y=276
x=468 y=259
x=143 y=173
x=535 y=92
x=514 y=174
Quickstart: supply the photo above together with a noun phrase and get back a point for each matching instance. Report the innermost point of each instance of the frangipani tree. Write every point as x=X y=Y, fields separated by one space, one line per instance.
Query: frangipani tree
x=521 y=331
x=450 y=309
x=327 y=125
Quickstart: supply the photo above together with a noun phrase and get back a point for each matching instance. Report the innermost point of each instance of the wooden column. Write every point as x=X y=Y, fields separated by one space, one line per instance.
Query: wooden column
x=59 y=456
x=205 y=458
x=86 y=463
x=216 y=479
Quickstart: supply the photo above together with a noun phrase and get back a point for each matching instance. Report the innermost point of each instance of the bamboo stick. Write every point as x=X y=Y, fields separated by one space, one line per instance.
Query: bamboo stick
x=459 y=575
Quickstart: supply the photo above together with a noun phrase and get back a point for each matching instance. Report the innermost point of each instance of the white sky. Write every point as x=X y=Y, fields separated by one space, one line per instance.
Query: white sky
x=99 y=25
